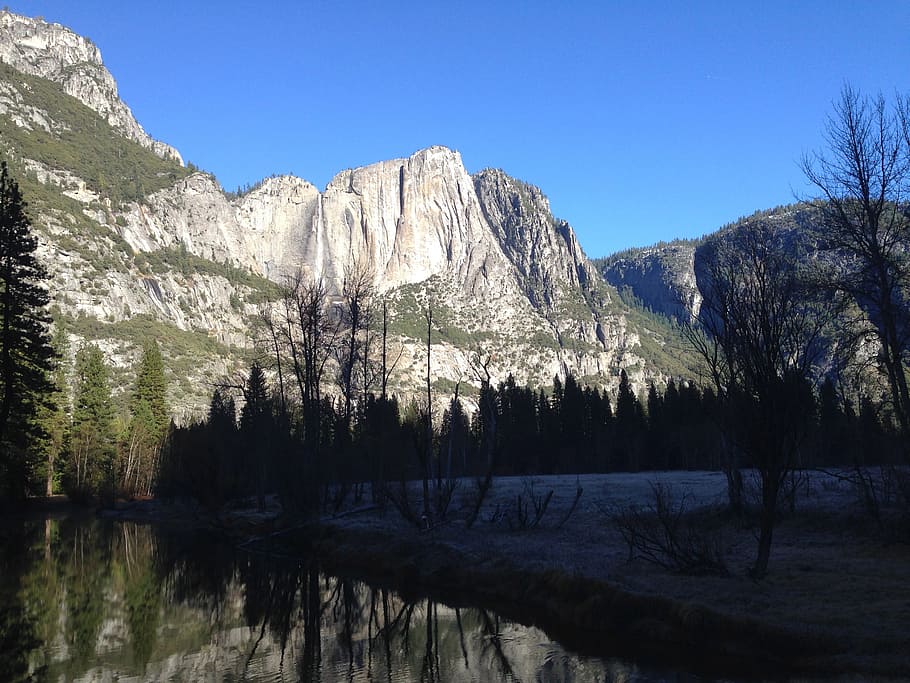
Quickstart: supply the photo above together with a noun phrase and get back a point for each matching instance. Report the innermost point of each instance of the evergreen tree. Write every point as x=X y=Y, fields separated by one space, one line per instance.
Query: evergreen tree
x=54 y=416
x=222 y=412
x=151 y=388
x=602 y=430
x=90 y=468
x=256 y=427
x=381 y=436
x=575 y=432
x=257 y=400
x=518 y=432
x=630 y=425
x=672 y=426
x=26 y=357
x=455 y=439
x=149 y=422
x=657 y=437
x=223 y=451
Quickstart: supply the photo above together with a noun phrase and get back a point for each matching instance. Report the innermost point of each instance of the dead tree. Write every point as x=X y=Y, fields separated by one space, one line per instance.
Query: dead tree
x=305 y=331
x=765 y=328
x=352 y=354
x=864 y=180
x=480 y=364
x=313 y=338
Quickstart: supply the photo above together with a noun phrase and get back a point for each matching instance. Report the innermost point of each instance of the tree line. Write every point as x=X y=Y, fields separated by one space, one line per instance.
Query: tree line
x=804 y=341
x=566 y=429
x=52 y=439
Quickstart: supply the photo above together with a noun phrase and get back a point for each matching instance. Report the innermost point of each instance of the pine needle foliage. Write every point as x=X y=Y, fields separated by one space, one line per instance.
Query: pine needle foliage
x=26 y=356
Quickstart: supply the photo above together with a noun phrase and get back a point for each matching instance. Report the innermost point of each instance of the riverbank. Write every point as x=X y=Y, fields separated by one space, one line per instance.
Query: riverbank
x=836 y=599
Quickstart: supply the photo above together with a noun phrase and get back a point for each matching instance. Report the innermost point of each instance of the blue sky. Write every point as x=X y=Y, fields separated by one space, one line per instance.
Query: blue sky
x=640 y=121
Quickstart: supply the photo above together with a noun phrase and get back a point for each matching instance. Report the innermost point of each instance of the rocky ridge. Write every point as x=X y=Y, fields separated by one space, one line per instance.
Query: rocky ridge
x=149 y=249
x=52 y=51
x=662 y=277
x=430 y=235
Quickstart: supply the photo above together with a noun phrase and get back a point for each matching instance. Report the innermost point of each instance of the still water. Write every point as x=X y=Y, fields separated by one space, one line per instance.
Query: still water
x=98 y=600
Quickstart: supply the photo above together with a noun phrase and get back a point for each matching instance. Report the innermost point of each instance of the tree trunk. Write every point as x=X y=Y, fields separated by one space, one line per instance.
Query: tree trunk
x=429 y=444
x=49 y=486
x=770 y=489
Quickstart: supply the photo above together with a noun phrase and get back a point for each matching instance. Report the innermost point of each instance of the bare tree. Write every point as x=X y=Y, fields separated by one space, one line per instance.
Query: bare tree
x=272 y=340
x=302 y=332
x=864 y=180
x=764 y=338
x=480 y=364
x=312 y=335
x=352 y=355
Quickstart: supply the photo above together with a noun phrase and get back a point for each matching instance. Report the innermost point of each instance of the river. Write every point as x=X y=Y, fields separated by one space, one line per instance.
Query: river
x=87 y=599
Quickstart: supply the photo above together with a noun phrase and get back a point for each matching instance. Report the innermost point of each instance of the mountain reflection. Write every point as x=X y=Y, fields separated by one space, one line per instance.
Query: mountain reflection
x=94 y=599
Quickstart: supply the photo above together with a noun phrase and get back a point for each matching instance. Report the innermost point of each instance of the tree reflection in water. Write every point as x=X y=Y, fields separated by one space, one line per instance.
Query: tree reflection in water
x=110 y=599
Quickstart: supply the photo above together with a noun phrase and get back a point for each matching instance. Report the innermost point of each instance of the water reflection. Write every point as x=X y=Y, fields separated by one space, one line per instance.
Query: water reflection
x=96 y=599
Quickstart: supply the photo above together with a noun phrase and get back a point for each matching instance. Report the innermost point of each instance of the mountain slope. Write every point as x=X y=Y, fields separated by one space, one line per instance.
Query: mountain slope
x=55 y=53
x=139 y=246
x=664 y=277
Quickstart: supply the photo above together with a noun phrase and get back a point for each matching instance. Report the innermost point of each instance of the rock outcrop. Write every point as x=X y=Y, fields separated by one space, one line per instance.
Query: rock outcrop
x=52 y=51
x=501 y=274
x=661 y=277
x=485 y=250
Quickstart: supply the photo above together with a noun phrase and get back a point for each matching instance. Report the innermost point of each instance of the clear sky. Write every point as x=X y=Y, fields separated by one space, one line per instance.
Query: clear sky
x=641 y=121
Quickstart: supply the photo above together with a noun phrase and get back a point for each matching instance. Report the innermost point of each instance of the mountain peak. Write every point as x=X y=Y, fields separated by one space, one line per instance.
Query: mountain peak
x=177 y=257
x=51 y=51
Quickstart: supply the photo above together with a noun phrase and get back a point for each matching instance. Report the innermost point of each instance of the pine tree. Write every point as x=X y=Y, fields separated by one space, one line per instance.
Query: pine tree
x=54 y=417
x=629 y=425
x=148 y=423
x=92 y=458
x=26 y=357
x=257 y=406
x=256 y=429
x=151 y=389
x=657 y=431
x=223 y=448
x=222 y=412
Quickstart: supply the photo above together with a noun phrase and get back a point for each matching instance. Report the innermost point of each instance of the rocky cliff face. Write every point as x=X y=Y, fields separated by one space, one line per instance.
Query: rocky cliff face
x=664 y=277
x=661 y=277
x=543 y=250
x=168 y=254
x=54 y=52
x=485 y=252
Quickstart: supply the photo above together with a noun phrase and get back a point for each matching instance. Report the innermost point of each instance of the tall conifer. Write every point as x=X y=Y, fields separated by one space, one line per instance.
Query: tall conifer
x=26 y=357
x=149 y=421
x=93 y=443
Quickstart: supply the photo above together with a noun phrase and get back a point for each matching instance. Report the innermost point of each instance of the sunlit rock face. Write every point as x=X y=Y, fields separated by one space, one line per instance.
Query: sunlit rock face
x=52 y=51
x=499 y=262
x=410 y=219
x=502 y=276
x=405 y=220
x=543 y=250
